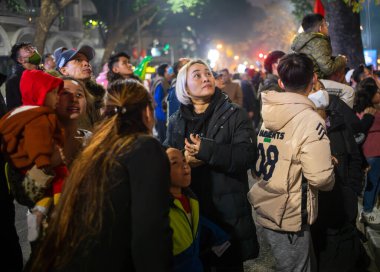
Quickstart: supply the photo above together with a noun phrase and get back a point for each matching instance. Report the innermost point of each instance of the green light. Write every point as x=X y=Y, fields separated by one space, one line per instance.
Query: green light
x=166 y=47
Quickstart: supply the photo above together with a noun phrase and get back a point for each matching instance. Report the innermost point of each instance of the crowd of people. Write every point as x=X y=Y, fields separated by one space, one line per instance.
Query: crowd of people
x=121 y=175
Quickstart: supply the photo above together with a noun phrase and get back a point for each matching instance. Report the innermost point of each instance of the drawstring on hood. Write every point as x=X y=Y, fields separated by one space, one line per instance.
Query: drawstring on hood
x=35 y=84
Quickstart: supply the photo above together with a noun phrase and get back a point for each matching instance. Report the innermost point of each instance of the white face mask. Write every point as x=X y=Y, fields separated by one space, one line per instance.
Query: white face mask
x=320 y=99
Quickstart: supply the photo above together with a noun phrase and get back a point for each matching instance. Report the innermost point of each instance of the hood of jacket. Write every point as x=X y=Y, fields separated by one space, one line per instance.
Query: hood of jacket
x=34 y=86
x=279 y=108
x=305 y=37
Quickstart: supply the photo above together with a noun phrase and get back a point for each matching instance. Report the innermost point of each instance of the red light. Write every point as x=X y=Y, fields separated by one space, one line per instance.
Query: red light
x=261 y=55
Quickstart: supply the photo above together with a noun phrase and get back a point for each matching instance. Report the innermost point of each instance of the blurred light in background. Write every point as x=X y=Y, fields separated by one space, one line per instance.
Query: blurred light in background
x=213 y=55
x=241 y=68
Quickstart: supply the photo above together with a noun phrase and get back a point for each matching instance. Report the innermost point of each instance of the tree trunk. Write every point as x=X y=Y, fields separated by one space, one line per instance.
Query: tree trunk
x=344 y=31
x=116 y=32
x=49 y=11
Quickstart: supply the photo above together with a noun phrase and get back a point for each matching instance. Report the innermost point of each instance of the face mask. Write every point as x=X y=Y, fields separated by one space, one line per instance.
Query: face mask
x=320 y=99
x=35 y=58
x=170 y=70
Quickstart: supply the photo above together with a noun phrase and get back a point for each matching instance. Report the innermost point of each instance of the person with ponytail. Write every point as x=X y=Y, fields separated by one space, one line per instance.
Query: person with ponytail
x=113 y=211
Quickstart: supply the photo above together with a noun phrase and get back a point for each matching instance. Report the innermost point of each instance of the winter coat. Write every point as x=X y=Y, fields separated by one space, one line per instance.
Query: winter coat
x=172 y=100
x=250 y=102
x=318 y=47
x=12 y=88
x=339 y=206
x=185 y=235
x=29 y=132
x=27 y=136
x=371 y=146
x=160 y=89
x=234 y=92
x=292 y=146
x=135 y=233
x=228 y=151
x=270 y=83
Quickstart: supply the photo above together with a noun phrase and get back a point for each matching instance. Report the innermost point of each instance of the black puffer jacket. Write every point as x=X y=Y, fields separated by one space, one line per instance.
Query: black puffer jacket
x=339 y=206
x=229 y=150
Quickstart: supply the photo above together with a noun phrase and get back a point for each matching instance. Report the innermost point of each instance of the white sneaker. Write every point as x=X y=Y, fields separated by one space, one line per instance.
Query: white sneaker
x=371 y=218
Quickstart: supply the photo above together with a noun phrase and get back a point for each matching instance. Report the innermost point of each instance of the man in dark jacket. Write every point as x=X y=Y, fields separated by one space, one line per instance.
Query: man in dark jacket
x=336 y=242
x=26 y=57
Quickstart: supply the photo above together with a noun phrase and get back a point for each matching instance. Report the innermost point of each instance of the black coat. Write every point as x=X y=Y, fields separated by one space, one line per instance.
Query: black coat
x=250 y=102
x=339 y=206
x=228 y=150
x=12 y=88
x=136 y=235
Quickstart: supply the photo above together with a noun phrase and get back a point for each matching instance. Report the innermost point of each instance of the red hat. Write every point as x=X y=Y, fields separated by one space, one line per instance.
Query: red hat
x=35 y=84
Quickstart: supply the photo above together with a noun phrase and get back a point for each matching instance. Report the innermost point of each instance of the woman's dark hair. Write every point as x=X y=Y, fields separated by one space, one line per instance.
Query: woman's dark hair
x=358 y=72
x=111 y=76
x=366 y=90
x=296 y=71
x=78 y=217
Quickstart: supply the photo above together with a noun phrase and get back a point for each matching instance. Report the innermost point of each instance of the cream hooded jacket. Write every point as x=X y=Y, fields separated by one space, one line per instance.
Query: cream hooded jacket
x=292 y=143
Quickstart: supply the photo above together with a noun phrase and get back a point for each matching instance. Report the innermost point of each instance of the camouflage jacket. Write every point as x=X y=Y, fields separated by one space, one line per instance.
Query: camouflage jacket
x=318 y=47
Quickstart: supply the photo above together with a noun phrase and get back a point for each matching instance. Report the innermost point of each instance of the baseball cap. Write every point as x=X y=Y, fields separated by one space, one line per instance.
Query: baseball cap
x=68 y=55
x=57 y=52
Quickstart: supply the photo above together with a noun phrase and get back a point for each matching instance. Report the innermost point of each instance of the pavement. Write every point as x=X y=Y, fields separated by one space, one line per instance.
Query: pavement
x=22 y=230
x=372 y=245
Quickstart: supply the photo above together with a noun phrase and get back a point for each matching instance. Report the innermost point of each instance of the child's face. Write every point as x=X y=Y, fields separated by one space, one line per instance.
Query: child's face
x=51 y=99
x=180 y=171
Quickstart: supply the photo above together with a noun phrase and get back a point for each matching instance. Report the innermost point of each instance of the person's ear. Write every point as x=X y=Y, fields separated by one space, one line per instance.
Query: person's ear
x=63 y=71
x=281 y=84
x=115 y=69
x=315 y=78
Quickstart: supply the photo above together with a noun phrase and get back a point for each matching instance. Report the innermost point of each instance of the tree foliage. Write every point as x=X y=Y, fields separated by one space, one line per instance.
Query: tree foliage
x=301 y=7
x=16 y=6
x=118 y=16
x=357 y=5
x=49 y=11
